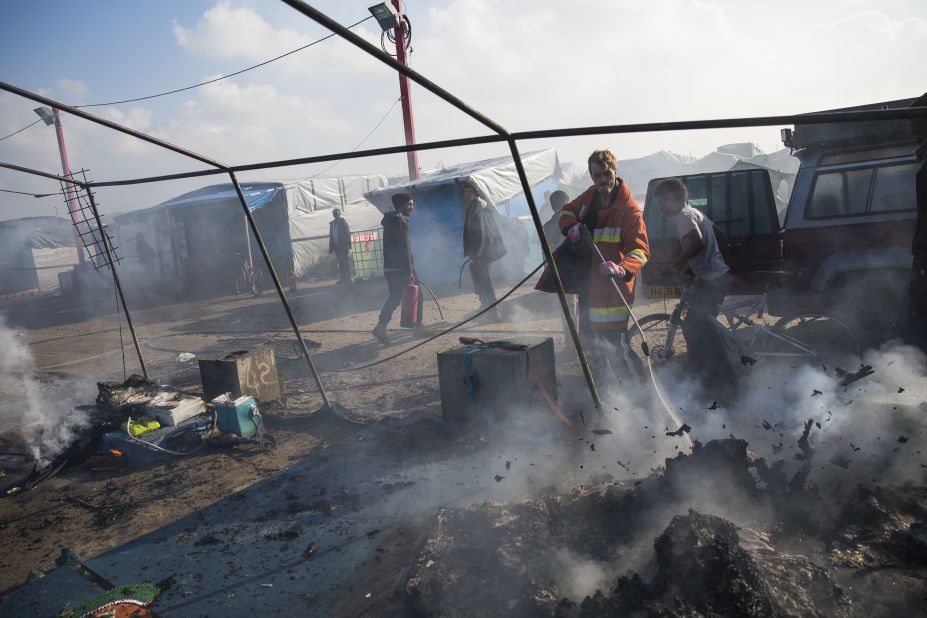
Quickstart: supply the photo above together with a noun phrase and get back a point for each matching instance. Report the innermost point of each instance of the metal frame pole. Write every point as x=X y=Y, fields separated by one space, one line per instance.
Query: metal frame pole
x=112 y=267
x=276 y=279
x=549 y=256
x=167 y=145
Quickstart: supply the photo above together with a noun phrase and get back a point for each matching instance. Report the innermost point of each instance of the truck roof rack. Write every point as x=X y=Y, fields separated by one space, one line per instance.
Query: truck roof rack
x=819 y=136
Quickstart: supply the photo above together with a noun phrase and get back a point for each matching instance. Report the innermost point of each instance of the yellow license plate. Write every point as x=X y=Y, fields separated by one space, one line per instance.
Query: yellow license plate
x=663 y=291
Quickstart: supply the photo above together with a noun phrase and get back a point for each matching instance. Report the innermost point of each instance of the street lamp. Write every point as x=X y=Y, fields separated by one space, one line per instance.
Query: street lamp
x=386 y=15
x=391 y=17
x=53 y=116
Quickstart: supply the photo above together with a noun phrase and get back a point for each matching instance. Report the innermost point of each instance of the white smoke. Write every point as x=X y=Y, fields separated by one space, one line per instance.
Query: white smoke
x=46 y=424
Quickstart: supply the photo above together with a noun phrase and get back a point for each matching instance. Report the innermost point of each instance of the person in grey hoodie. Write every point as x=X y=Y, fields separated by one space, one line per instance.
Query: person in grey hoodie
x=482 y=244
x=398 y=266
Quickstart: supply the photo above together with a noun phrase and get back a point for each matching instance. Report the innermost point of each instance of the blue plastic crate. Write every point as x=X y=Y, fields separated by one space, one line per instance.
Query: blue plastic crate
x=238 y=416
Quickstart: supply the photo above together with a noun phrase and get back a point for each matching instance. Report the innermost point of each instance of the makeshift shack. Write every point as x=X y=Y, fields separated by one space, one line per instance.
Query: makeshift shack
x=436 y=227
x=33 y=250
x=199 y=240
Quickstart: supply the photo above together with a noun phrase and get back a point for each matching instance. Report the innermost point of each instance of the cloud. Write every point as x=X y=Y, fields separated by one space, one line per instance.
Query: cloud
x=72 y=89
x=240 y=33
x=235 y=33
x=860 y=58
x=527 y=64
x=253 y=122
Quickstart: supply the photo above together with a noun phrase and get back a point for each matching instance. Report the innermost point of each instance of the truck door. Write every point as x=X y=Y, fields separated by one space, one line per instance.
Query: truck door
x=741 y=203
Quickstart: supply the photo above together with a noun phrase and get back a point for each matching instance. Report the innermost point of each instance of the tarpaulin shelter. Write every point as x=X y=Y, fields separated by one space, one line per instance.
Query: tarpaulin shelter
x=199 y=239
x=33 y=250
x=436 y=227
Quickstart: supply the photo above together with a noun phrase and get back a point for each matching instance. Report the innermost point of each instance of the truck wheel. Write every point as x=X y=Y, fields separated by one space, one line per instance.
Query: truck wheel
x=817 y=336
x=656 y=330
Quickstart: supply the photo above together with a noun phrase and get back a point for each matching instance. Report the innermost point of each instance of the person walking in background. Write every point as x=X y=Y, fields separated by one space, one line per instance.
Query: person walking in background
x=557 y=201
x=482 y=243
x=398 y=265
x=608 y=214
x=701 y=253
x=339 y=243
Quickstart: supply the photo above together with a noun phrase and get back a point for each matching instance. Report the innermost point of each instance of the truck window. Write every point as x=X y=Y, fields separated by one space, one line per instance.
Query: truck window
x=839 y=194
x=698 y=193
x=762 y=209
x=894 y=189
x=740 y=206
x=720 y=213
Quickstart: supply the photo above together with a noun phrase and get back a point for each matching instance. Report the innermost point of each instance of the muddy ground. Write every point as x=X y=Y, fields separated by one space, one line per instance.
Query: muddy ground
x=343 y=517
x=74 y=347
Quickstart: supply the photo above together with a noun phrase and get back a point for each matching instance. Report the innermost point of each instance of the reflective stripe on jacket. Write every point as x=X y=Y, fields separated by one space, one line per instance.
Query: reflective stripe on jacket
x=620 y=234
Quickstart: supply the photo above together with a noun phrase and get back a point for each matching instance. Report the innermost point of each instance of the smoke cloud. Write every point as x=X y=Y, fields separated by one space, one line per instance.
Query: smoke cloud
x=47 y=425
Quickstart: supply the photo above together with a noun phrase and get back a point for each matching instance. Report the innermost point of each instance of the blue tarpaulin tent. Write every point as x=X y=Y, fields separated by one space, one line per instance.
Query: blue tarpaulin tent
x=436 y=227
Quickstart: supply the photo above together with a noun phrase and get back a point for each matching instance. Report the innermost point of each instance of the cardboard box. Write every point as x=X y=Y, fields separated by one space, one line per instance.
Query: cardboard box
x=171 y=409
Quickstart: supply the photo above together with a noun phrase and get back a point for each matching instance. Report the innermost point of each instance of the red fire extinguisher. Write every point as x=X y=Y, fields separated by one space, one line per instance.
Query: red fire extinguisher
x=410 y=317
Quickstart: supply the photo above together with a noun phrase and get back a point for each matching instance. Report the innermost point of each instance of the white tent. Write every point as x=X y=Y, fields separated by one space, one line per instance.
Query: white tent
x=309 y=209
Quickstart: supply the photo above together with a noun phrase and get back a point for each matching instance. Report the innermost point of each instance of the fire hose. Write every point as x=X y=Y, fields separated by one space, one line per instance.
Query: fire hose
x=644 y=347
x=515 y=347
x=437 y=304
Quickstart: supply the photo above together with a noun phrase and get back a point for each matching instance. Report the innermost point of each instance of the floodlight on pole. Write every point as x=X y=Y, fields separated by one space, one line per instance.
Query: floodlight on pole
x=53 y=116
x=46 y=114
x=391 y=17
x=386 y=15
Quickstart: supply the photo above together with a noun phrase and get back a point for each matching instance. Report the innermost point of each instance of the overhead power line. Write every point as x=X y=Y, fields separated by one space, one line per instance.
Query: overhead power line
x=361 y=143
x=31 y=193
x=21 y=130
x=211 y=81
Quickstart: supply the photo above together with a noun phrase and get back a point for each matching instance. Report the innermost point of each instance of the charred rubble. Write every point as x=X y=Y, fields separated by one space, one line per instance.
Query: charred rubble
x=717 y=533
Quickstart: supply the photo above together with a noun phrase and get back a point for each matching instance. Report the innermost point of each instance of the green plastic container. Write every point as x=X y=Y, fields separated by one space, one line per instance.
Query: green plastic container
x=238 y=416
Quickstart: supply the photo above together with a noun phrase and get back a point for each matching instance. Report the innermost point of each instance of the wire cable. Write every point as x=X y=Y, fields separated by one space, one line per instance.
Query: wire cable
x=212 y=81
x=445 y=331
x=30 y=193
x=361 y=143
x=21 y=130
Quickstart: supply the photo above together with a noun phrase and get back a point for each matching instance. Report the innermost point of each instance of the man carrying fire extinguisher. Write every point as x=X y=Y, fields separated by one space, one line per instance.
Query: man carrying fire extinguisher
x=398 y=267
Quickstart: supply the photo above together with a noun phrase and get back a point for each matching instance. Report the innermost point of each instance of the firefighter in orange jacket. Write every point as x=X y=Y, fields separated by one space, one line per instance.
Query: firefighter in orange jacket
x=616 y=224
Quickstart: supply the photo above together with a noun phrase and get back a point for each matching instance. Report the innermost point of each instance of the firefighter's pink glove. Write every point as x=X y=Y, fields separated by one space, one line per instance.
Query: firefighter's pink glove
x=610 y=269
x=575 y=233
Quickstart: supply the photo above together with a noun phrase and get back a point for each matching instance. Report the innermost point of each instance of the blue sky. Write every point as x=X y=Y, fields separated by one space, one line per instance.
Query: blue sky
x=527 y=63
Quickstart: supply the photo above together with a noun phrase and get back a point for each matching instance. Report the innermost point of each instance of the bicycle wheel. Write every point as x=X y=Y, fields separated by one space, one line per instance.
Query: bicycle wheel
x=814 y=335
x=257 y=282
x=241 y=284
x=656 y=328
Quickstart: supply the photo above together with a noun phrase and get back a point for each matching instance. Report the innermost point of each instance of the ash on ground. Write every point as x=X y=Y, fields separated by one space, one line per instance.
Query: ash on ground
x=718 y=533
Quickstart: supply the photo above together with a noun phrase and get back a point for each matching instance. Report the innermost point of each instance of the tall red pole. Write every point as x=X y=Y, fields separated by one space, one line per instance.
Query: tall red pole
x=69 y=188
x=408 y=122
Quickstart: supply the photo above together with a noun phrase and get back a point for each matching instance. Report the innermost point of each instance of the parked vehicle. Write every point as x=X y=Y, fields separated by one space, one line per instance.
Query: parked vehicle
x=845 y=236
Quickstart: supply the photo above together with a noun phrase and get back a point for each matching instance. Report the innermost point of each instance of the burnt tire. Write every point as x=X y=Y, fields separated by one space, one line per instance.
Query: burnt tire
x=828 y=338
x=655 y=328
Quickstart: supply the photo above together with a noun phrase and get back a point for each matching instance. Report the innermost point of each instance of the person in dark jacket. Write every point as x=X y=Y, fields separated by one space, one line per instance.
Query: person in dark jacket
x=398 y=266
x=482 y=243
x=339 y=243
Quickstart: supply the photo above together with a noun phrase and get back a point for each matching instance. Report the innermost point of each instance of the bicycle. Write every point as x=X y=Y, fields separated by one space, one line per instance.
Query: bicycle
x=248 y=279
x=815 y=335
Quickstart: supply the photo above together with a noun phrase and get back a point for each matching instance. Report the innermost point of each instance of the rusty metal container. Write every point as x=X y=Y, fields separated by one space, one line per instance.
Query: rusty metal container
x=490 y=383
x=245 y=372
